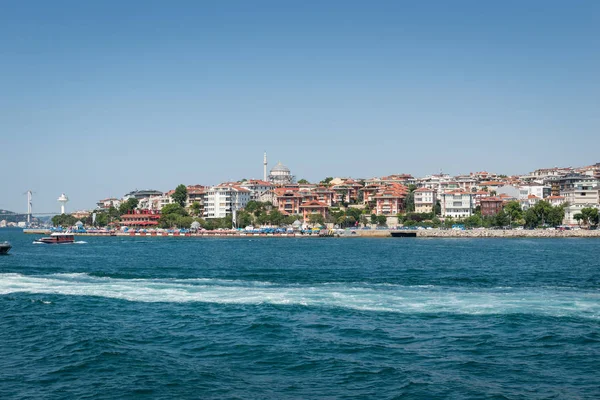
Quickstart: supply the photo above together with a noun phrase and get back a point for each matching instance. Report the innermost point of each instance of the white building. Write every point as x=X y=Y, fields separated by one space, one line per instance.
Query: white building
x=574 y=209
x=425 y=200
x=582 y=193
x=257 y=188
x=223 y=200
x=457 y=204
x=540 y=191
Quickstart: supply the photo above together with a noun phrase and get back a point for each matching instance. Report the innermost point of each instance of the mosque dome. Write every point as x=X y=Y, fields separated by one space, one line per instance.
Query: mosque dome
x=280 y=175
x=282 y=169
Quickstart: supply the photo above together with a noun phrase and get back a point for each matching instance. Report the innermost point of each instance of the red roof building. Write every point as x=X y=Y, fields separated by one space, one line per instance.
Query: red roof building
x=140 y=219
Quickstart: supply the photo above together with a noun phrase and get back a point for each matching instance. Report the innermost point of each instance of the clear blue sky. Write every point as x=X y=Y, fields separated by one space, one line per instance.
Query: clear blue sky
x=99 y=98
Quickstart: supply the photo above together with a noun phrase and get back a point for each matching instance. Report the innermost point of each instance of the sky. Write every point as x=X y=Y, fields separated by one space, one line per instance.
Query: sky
x=101 y=98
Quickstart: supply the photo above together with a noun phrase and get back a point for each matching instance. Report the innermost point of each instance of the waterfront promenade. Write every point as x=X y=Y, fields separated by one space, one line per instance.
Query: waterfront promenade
x=369 y=233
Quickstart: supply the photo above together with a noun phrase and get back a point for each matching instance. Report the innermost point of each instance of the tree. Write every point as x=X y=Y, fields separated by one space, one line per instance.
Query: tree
x=244 y=218
x=501 y=219
x=275 y=217
x=513 y=210
x=303 y=182
x=373 y=218
x=437 y=209
x=101 y=219
x=180 y=195
x=195 y=208
x=555 y=216
x=578 y=217
x=531 y=218
x=171 y=215
x=381 y=220
x=590 y=216
x=316 y=219
x=64 y=220
x=326 y=181
x=128 y=205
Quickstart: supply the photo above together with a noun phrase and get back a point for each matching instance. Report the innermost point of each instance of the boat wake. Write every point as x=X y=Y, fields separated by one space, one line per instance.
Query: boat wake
x=368 y=297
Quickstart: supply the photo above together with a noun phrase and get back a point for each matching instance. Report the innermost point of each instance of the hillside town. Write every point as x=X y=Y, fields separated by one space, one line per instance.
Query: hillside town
x=568 y=197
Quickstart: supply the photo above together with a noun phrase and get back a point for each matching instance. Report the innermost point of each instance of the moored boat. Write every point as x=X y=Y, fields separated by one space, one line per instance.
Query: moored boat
x=57 y=238
x=5 y=247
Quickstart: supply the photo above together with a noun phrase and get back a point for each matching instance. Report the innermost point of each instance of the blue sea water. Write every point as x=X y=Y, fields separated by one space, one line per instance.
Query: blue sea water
x=275 y=318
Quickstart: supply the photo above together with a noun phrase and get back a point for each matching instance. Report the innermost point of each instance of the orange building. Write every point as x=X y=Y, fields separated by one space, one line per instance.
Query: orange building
x=314 y=207
x=288 y=200
x=389 y=202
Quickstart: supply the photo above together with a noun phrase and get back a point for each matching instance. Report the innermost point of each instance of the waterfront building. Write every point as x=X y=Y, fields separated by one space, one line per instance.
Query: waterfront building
x=389 y=201
x=141 y=194
x=574 y=209
x=347 y=191
x=224 y=199
x=268 y=197
x=288 y=200
x=281 y=175
x=457 y=204
x=257 y=188
x=529 y=202
x=555 y=200
x=137 y=219
x=80 y=214
x=539 y=191
x=425 y=200
x=491 y=206
x=314 y=207
x=582 y=192
x=105 y=204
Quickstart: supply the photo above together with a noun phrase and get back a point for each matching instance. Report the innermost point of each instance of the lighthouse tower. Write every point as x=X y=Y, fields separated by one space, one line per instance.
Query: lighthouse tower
x=265 y=167
x=63 y=200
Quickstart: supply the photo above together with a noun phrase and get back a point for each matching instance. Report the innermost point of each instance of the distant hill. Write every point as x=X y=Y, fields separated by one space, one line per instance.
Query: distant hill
x=6 y=215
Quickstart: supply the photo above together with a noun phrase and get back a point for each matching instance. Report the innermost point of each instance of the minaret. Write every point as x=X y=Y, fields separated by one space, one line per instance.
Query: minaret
x=265 y=167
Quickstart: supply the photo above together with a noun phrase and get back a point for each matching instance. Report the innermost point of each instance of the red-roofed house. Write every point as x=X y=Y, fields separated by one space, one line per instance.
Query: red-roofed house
x=314 y=207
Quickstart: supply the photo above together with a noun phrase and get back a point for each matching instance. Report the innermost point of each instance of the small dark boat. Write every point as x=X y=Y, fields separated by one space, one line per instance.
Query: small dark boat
x=57 y=238
x=4 y=248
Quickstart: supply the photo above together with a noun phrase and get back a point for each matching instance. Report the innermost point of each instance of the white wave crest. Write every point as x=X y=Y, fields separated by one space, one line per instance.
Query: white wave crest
x=395 y=298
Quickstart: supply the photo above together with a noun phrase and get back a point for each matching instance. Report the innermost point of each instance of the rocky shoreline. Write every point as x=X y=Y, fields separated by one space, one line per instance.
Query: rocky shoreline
x=511 y=233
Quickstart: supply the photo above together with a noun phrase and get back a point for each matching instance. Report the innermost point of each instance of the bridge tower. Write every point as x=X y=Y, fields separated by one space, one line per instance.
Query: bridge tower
x=29 y=207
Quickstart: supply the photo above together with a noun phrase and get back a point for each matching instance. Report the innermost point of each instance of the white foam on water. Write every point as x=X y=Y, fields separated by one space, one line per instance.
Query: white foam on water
x=395 y=298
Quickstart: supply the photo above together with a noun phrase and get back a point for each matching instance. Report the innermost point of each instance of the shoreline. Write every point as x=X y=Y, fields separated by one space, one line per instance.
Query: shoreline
x=426 y=233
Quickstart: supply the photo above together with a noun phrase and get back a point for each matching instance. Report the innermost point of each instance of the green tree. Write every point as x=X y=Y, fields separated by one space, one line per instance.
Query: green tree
x=171 y=214
x=195 y=208
x=531 y=218
x=101 y=219
x=303 y=182
x=316 y=219
x=501 y=219
x=276 y=217
x=578 y=217
x=373 y=219
x=555 y=216
x=244 y=218
x=180 y=195
x=590 y=216
x=513 y=210
x=64 y=220
x=437 y=209
x=128 y=206
x=326 y=181
x=381 y=220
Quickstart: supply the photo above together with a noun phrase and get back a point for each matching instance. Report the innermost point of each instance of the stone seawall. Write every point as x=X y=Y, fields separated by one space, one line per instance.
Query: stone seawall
x=488 y=233
x=512 y=233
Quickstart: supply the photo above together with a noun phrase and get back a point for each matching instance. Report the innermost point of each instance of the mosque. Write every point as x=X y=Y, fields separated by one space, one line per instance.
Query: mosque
x=279 y=175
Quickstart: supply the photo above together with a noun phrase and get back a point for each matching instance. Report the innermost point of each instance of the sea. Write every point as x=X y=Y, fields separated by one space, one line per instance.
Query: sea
x=300 y=318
